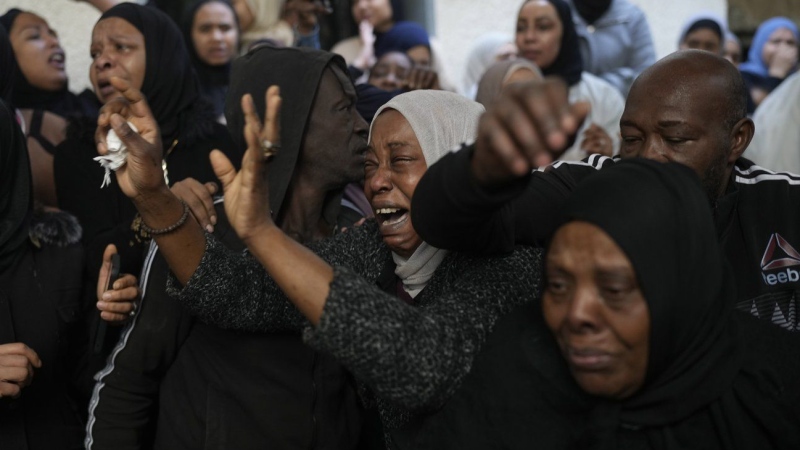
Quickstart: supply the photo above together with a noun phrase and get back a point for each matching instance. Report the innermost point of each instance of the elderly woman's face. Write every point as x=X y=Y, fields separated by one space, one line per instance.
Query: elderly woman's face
x=539 y=32
x=38 y=53
x=595 y=309
x=393 y=167
x=117 y=50
x=215 y=34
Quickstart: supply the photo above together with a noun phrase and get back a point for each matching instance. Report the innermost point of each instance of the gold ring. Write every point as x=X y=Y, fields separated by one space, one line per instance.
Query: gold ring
x=269 y=149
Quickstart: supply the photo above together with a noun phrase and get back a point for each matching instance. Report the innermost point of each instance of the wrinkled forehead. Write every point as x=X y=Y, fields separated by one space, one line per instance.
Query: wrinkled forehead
x=680 y=94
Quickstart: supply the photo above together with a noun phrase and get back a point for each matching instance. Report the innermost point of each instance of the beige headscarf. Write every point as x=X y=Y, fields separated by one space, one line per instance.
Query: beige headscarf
x=267 y=24
x=442 y=121
x=496 y=75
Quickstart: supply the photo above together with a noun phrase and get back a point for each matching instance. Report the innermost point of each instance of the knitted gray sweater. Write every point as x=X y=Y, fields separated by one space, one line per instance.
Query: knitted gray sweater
x=412 y=358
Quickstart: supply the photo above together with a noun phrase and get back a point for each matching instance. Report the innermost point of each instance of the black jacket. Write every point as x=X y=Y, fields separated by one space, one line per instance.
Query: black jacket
x=47 y=305
x=177 y=383
x=758 y=222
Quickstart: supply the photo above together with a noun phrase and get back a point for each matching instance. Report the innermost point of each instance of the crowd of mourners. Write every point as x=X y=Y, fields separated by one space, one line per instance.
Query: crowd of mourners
x=237 y=239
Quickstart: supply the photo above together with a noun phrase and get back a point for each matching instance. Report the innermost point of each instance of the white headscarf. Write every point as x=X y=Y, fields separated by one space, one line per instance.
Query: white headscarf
x=441 y=121
x=480 y=57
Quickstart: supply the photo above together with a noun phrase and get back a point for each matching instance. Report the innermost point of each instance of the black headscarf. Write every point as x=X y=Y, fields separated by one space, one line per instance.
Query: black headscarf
x=170 y=84
x=402 y=37
x=569 y=63
x=697 y=354
x=297 y=71
x=214 y=80
x=716 y=378
x=591 y=10
x=16 y=191
x=8 y=67
x=61 y=102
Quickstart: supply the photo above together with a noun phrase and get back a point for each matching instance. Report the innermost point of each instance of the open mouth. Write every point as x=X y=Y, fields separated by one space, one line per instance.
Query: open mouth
x=105 y=88
x=57 y=59
x=390 y=216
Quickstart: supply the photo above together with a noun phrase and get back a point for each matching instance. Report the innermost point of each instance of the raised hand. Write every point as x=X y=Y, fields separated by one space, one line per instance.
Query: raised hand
x=116 y=304
x=421 y=78
x=366 y=58
x=142 y=173
x=247 y=192
x=783 y=60
x=527 y=127
x=17 y=362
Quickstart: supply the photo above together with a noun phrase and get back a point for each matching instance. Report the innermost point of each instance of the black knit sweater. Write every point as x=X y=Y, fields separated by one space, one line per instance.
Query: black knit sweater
x=412 y=357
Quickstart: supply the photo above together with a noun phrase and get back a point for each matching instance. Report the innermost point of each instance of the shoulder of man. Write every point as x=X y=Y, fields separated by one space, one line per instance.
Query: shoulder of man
x=750 y=177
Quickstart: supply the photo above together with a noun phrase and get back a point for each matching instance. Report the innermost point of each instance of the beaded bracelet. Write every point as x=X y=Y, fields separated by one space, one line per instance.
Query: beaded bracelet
x=170 y=228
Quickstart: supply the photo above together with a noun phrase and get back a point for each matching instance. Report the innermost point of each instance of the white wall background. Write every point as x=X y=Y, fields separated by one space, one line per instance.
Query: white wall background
x=458 y=22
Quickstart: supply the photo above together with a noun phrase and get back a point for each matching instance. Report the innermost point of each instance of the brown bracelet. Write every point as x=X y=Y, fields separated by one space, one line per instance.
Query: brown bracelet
x=170 y=228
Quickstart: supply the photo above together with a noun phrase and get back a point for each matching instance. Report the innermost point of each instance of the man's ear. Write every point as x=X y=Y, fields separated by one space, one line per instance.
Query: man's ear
x=741 y=135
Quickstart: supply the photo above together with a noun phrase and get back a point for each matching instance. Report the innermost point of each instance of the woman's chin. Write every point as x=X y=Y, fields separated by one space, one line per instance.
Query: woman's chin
x=404 y=246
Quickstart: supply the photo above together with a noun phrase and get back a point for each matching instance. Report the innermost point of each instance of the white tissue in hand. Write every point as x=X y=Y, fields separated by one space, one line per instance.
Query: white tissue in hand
x=116 y=156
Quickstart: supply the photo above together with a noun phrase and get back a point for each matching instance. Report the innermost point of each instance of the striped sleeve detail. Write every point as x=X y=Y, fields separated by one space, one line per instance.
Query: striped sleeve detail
x=596 y=161
x=100 y=376
x=756 y=174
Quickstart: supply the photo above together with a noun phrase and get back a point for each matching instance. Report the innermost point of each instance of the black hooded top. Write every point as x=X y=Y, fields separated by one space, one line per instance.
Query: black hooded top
x=16 y=191
x=25 y=96
x=9 y=65
x=568 y=65
x=265 y=66
x=188 y=134
x=214 y=80
x=42 y=305
x=716 y=378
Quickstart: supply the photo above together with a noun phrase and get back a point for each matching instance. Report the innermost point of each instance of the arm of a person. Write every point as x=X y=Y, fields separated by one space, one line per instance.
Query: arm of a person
x=641 y=55
x=416 y=357
x=233 y=290
x=125 y=397
x=451 y=211
x=141 y=179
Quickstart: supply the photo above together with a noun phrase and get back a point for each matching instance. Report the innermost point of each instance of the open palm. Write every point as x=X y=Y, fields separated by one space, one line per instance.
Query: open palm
x=247 y=191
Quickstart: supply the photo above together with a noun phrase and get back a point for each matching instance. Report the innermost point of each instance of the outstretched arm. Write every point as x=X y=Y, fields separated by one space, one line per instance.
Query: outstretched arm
x=142 y=178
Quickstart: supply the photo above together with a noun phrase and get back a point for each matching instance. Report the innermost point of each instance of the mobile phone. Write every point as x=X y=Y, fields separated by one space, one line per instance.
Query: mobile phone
x=102 y=325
